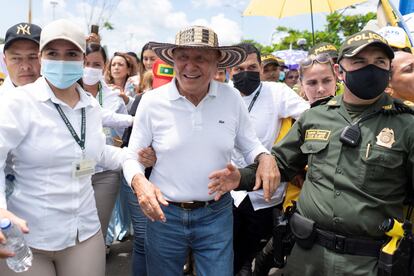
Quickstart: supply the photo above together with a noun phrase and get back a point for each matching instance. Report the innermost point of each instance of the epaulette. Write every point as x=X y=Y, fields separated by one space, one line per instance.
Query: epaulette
x=321 y=101
x=400 y=107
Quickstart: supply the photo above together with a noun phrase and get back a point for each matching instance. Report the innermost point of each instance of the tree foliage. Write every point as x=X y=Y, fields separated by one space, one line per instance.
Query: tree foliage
x=337 y=28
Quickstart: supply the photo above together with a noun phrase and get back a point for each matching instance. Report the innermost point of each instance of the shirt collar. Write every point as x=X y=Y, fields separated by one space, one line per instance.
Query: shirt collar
x=174 y=94
x=45 y=93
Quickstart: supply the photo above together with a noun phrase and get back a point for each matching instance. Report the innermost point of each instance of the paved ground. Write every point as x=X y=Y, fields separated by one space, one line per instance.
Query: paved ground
x=118 y=262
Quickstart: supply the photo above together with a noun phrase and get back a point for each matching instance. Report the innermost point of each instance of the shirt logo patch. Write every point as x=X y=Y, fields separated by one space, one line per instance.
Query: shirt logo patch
x=221 y=122
x=386 y=138
x=317 y=134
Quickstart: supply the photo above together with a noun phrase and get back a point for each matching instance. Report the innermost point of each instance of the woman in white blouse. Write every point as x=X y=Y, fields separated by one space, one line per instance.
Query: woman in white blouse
x=54 y=130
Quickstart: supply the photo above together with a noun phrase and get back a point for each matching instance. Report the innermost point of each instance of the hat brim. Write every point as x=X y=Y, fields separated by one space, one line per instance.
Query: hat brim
x=388 y=50
x=11 y=41
x=230 y=56
x=44 y=43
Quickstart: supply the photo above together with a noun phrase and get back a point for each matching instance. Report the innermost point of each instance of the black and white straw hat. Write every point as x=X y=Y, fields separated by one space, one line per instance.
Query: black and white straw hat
x=199 y=37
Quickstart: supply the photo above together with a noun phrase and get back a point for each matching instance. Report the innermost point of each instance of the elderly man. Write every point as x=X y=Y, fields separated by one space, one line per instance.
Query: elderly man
x=358 y=148
x=21 y=49
x=193 y=124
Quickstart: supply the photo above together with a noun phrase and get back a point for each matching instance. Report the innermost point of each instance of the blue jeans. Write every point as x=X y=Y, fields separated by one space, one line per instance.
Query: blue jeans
x=208 y=231
x=139 y=223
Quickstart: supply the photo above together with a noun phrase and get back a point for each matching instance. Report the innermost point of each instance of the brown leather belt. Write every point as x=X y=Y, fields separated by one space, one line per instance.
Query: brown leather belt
x=191 y=205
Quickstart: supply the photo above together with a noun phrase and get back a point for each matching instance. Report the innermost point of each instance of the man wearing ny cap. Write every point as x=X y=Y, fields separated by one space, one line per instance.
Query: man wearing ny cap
x=193 y=123
x=357 y=177
x=21 y=48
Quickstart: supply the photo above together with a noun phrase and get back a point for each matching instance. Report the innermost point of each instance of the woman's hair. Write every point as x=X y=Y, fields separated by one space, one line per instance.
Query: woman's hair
x=144 y=48
x=146 y=83
x=130 y=65
x=94 y=47
x=311 y=60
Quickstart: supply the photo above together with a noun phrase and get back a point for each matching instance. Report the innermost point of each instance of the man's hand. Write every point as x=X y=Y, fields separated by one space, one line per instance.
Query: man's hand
x=267 y=176
x=223 y=181
x=147 y=157
x=149 y=198
x=22 y=224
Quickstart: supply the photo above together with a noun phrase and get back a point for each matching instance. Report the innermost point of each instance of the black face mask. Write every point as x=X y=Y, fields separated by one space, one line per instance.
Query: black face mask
x=246 y=82
x=368 y=82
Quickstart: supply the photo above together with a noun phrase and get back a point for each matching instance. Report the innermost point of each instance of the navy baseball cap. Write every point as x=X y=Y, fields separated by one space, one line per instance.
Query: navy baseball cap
x=22 y=31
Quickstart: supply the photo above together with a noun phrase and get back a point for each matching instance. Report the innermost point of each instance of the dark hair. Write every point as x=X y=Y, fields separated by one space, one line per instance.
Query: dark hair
x=130 y=64
x=95 y=47
x=144 y=48
x=251 y=49
x=134 y=55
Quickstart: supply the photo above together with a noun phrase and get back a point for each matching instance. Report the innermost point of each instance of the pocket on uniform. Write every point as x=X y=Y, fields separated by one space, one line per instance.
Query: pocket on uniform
x=384 y=164
x=316 y=157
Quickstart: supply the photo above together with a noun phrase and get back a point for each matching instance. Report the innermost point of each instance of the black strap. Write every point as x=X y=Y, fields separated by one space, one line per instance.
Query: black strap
x=81 y=141
x=346 y=245
x=255 y=98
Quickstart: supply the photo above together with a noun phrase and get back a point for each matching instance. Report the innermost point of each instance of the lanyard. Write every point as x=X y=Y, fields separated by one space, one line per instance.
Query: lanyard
x=255 y=98
x=100 y=94
x=81 y=141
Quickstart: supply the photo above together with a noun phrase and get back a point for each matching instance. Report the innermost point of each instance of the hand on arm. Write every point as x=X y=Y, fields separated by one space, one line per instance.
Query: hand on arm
x=223 y=181
x=147 y=157
x=149 y=198
x=267 y=175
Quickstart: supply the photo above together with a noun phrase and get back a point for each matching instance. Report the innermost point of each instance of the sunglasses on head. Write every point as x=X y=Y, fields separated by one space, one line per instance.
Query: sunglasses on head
x=310 y=60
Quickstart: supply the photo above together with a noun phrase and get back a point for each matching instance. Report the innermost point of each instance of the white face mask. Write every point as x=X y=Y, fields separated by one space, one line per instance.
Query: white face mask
x=91 y=75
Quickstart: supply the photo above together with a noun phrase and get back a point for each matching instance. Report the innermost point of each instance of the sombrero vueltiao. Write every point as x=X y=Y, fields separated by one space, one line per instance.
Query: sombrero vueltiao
x=201 y=38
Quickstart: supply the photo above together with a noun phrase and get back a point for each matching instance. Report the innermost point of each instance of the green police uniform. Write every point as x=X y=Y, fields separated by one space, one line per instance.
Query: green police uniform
x=348 y=190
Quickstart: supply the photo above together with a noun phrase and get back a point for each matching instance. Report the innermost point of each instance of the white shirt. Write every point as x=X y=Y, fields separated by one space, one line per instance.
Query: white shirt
x=115 y=117
x=58 y=208
x=275 y=102
x=6 y=86
x=114 y=111
x=190 y=141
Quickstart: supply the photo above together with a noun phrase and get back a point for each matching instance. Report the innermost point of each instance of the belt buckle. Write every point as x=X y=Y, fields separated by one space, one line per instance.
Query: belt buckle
x=185 y=206
x=339 y=243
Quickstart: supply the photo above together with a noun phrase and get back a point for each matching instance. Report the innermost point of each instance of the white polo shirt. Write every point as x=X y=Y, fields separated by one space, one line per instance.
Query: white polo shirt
x=59 y=209
x=190 y=141
x=275 y=102
x=6 y=86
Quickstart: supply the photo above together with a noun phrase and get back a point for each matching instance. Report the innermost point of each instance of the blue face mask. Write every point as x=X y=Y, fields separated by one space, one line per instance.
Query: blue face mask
x=62 y=74
x=282 y=75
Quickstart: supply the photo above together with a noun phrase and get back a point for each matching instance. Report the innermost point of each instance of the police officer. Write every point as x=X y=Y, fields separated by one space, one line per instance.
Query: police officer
x=359 y=150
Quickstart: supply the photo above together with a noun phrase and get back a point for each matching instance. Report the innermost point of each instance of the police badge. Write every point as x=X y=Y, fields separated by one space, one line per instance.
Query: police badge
x=386 y=138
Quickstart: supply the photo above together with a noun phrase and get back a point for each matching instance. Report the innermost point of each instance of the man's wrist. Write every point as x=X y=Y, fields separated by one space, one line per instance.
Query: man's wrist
x=260 y=155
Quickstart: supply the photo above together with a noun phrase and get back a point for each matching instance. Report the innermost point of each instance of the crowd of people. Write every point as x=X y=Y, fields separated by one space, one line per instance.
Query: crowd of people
x=195 y=149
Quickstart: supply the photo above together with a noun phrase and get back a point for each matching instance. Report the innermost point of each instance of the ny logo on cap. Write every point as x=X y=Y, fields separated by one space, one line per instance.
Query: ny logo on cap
x=23 y=29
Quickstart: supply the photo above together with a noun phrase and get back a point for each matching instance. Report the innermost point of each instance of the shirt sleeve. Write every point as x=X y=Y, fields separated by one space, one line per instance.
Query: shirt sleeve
x=115 y=120
x=112 y=157
x=246 y=139
x=141 y=137
x=289 y=103
x=14 y=126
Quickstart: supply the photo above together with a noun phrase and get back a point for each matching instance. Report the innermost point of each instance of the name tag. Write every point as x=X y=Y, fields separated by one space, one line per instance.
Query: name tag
x=84 y=167
x=317 y=134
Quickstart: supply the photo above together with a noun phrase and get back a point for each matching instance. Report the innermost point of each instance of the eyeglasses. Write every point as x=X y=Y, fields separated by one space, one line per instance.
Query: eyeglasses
x=310 y=60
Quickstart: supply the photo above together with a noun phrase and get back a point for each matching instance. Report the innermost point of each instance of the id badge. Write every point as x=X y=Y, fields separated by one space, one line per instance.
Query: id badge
x=107 y=131
x=84 y=167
